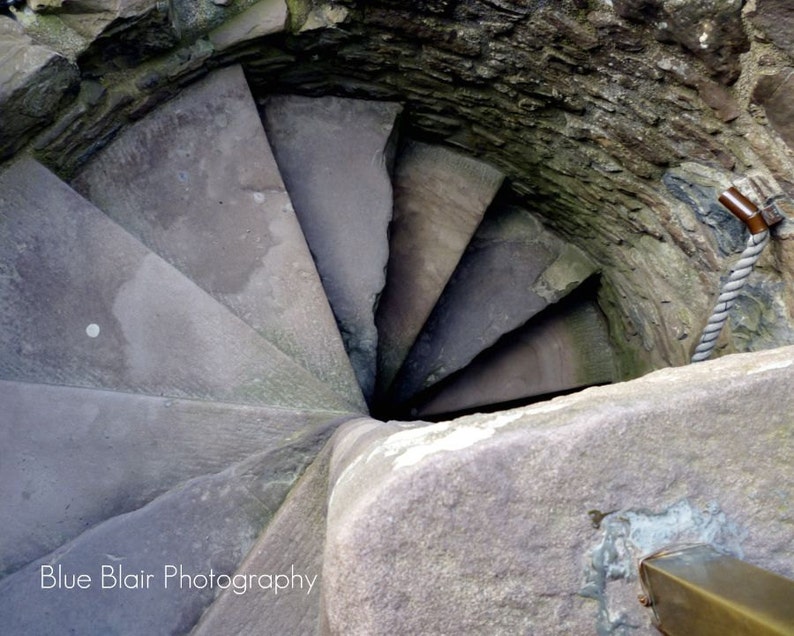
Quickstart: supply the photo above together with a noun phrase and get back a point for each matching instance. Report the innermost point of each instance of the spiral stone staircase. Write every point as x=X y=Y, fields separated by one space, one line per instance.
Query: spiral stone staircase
x=174 y=297
x=220 y=328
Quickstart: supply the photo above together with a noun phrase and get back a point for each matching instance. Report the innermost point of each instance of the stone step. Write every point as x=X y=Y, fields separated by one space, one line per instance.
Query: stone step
x=439 y=200
x=197 y=183
x=563 y=348
x=83 y=303
x=204 y=527
x=75 y=457
x=512 y=269
x=293 y=543
x=533 y=520
x=334 y=155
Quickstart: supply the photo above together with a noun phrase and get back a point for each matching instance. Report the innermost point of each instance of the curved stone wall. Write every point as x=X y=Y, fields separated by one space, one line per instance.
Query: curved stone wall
x=618 y=122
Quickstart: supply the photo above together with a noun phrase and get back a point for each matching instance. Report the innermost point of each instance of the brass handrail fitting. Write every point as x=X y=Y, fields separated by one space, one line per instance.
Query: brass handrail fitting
x=744 y=209
x=695 y=590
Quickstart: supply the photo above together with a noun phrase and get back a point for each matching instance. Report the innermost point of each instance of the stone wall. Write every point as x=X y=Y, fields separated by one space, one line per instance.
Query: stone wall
x=618 y=122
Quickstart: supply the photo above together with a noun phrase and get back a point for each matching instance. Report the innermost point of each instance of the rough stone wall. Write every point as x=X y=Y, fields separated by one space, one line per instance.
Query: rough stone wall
x=618 y=122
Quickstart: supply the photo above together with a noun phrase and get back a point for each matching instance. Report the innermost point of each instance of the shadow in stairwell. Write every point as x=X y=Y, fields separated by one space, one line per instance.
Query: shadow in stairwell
x=561 y=350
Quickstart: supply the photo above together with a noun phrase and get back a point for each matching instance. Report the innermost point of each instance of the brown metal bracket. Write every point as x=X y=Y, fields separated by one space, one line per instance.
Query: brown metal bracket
x=747 y=211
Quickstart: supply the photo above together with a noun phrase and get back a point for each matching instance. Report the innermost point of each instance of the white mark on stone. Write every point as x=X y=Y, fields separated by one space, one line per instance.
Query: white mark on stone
x=457 y=439
x=259 y=197
x=399 y=442
x=546 y=407
x=771 y=366
x=92 y=330
x=503 y=419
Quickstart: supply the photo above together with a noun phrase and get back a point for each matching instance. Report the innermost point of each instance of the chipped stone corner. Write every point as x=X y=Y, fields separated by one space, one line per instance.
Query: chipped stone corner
x=611 y=572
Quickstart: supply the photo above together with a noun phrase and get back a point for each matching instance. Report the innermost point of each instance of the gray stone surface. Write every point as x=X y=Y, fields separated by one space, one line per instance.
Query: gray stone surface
x=512 y=269
x=196 y=18
x=439 y=199
x=561 y=350
x=197 y=183
x=532 y=520
x=293 y=541
x=263 y=18
x=83 y=303
x=582 y=109
x=206 y=525
x=71 y=458
x=34 y=82
x=334 y=155
x=96 y=31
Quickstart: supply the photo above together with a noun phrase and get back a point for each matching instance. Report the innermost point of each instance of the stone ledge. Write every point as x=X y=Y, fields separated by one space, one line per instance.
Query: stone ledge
x=487 y=522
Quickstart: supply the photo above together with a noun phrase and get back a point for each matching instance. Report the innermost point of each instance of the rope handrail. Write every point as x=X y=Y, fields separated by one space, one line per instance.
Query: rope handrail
x=729 y=293
x=756 y=222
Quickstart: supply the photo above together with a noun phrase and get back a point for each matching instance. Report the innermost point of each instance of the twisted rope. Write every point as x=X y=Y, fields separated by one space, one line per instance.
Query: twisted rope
x=730 y=291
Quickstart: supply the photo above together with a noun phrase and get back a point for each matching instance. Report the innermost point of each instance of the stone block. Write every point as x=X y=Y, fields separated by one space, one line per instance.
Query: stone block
x=168 y=550
x=34 y=82
x=439 y=200
x=263 y=18
x=194 y=19
x=512 y=269
x=335 y=156
x=83 y=303
x=197 y=183
x=532 y=520
x=562 y=349
x=292 y=542
x=72 y=458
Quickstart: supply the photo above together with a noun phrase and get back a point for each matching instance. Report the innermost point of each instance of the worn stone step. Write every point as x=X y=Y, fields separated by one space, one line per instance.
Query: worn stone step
x=334 y=155
x=294 y=542
x=204 y=526
x=72 y=458
x=197 y=183
x=512 y=269
x=439 y=199
x=534 y=520
x=83 y=303
x=563 y=348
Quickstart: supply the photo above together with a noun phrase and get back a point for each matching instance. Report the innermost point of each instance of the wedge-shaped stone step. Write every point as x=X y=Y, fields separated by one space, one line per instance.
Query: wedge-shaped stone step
x=72 y=458
x=294 y=542
x=197 y=183
x=439 y=200
x=168 y=550
x=334 y=155
x=532 y=521
x=565 y=347
x=83 y=303
x=512 y=269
